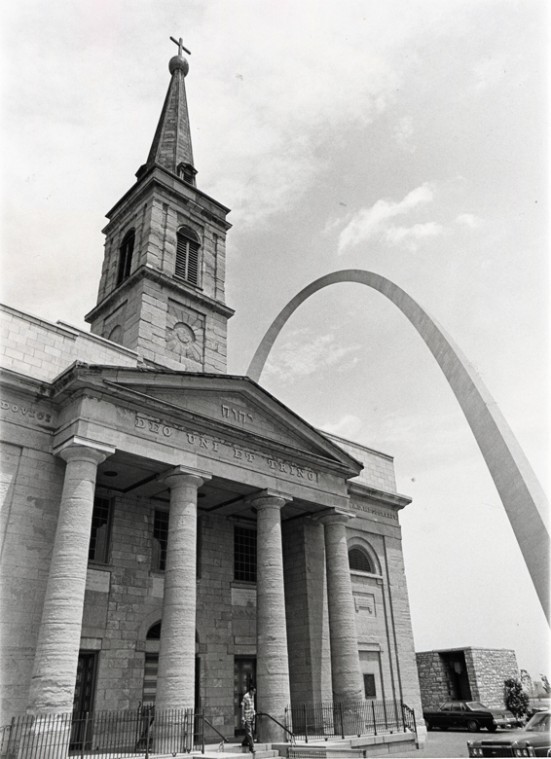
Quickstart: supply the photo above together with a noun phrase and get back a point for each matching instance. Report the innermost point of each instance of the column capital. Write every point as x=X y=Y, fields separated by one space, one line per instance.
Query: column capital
x=335 y=516
x=271 y=499
x=183 y=474
x=80 y=448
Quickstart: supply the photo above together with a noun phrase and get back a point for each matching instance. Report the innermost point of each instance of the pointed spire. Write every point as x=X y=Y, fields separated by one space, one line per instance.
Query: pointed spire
x=171 y=148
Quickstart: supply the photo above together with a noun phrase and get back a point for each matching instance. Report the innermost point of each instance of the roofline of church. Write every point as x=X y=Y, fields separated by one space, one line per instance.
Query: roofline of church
x=77 y=368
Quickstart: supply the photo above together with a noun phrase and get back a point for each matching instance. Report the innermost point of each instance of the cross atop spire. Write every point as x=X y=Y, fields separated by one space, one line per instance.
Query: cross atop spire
x=181 y=47
x=171 y=147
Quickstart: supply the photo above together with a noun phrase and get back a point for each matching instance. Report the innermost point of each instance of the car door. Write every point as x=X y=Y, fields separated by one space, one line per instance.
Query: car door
x=459 y=715
x=445 y=715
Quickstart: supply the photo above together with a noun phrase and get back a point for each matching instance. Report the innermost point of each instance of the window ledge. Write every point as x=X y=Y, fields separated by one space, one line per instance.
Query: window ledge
x=100 y=566
x=361 y=573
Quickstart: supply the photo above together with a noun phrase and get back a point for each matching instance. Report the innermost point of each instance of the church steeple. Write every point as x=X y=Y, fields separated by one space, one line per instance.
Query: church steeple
x=171 y=147
x=162 y=285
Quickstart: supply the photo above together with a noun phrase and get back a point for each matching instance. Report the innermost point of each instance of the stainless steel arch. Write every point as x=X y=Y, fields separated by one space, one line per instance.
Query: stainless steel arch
x=521 y=494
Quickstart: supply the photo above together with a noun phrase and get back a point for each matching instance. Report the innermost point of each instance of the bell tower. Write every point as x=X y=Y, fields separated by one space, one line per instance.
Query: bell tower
x=161 y=291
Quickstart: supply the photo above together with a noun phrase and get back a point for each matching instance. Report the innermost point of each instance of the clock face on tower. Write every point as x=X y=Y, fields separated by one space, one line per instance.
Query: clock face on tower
x=185 y=335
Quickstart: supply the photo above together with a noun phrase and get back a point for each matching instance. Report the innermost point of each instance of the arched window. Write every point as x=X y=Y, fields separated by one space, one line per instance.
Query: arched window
x=125 y=256
x=187 y=255
x=154 y=632
x=359 y=561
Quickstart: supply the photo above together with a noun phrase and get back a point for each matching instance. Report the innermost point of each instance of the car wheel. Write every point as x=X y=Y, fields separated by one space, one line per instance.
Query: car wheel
x=429 y=726
x=492 y=728
x=472 y=726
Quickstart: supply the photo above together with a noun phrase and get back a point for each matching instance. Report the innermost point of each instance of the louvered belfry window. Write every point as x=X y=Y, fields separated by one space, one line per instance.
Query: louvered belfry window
x=125 y=257
x=187 y=255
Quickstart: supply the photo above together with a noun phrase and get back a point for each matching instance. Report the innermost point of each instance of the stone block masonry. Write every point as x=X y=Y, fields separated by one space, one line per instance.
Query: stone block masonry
x=43 y=350
x=486 y=668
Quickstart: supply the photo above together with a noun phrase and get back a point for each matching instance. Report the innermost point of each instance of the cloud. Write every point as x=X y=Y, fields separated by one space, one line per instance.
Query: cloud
x=302 y=355
x=411 y=236
x=373 y=222
x=468 y=220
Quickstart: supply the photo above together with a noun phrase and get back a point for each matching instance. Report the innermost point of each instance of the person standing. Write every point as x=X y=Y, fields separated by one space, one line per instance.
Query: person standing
x=247 y=716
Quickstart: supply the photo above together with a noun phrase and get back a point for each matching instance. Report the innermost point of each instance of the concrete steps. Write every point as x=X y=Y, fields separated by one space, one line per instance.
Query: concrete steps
x=236 y=751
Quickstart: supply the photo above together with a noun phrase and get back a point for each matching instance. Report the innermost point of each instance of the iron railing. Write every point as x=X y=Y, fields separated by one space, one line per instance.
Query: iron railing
x=335 y=720
x=107 y=735
x=289 y=735
x=145 y=731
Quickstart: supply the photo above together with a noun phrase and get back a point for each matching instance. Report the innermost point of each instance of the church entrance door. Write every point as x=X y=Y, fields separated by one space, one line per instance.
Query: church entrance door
x=83 y=701
x=244 y=675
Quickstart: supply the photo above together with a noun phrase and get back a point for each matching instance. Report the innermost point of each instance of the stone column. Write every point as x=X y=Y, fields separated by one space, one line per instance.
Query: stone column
x=176 y=678
x=345 y=660
x=56 y=658
x=272 y=664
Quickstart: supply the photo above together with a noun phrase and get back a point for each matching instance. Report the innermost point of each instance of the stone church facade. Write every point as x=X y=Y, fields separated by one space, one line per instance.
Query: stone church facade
x=170 y=532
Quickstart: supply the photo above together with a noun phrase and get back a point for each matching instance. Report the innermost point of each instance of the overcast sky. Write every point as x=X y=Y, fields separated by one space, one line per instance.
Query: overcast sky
x=404 y=137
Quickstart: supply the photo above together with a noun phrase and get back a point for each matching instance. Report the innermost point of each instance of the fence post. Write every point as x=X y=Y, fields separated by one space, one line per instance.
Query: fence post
x=147 y=727
x=374 y=718
x=305 y=724
x=342 y=720
x=12 y=725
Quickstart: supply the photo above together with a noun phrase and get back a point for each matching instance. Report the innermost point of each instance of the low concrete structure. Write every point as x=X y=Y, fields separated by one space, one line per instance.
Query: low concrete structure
x=472 y=674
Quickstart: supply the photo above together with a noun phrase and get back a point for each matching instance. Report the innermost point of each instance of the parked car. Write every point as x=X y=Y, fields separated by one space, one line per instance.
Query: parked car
x=470 y=714
x=538 y=705
x=533 y=740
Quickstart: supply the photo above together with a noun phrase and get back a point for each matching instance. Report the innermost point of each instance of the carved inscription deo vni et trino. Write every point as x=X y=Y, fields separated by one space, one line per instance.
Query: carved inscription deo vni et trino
x=222 y=448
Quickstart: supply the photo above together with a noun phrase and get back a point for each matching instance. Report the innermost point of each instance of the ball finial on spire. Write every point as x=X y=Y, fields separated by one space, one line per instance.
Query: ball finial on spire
x=178 y=62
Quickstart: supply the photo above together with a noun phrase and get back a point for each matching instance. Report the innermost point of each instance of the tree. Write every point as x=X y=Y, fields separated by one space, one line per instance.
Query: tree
x=516 y=698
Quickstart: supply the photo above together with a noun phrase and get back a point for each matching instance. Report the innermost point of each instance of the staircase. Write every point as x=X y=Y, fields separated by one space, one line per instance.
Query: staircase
x=236 y=751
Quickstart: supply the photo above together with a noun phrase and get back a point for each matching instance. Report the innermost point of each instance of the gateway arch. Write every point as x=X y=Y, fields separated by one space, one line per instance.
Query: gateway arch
x=520 y=492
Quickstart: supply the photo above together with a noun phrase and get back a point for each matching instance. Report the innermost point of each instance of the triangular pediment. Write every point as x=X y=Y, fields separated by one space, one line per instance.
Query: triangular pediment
x=234 y=405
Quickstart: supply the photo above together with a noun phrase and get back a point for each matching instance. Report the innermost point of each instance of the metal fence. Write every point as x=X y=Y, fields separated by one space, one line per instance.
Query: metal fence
x=145 y=732
x=106 y=735
x=334 y=720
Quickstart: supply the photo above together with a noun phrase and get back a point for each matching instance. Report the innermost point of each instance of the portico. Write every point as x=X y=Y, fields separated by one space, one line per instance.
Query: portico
x=234 y=465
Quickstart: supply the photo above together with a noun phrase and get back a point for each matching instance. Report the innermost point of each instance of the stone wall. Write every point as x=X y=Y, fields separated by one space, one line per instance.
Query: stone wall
x=42 y=350
x=306 y=612
x=378 y=471
x=487 y=670
x=433 y=680
x=490 y=668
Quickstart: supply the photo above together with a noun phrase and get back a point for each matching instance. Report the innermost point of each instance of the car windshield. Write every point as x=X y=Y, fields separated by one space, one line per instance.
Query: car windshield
x=540 y=723
x=475 y=705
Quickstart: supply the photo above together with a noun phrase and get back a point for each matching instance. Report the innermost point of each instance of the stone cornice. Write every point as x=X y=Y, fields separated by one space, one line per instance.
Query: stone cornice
x=81 y=381
x=22 y=383
x=394 y=501
x=182 y=192
x=182 y=288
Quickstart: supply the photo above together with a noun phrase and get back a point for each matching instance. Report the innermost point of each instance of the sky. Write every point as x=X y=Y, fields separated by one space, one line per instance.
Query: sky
x=403 y=137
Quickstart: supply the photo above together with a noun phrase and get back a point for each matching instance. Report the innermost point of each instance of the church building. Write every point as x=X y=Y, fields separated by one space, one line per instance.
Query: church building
x=170 y=532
